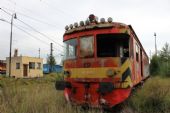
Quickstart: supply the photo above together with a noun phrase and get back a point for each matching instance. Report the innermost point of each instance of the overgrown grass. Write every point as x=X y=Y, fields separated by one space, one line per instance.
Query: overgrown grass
x=153 y=97
x=33 y=96
x=39 y=96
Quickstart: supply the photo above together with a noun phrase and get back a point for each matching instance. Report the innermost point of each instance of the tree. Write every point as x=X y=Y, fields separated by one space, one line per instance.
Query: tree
x=154 y=65
x=51 y=61
x=165 y=60
x=165 y=52
x=160 y=64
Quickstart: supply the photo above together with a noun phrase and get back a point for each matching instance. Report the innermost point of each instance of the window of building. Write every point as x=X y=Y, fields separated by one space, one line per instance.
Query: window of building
x=38 y=65
x=86 y=46
x=31 y=65
x=17 y=65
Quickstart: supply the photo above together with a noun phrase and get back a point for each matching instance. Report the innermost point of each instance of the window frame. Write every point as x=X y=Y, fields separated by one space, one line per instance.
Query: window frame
x=39 y=65
x=121 y=47
x=93 y=45
x=137 y=49
x=18 y=65
x=66 y=49
x=31 y=66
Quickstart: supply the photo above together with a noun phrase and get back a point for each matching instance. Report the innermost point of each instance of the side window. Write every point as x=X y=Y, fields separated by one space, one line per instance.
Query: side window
x=131 y=48
x=137 y=52
x=86 y=46
x=113 y=45
x=17 y=65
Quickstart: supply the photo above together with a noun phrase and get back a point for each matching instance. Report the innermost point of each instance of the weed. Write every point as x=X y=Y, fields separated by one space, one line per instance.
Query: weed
x=39 y=96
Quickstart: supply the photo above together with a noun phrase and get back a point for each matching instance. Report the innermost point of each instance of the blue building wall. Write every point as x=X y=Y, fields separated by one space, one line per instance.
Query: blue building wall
x=56 y=68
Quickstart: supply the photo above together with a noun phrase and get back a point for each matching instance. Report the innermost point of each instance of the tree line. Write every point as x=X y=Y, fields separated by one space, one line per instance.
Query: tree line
x=160 y=63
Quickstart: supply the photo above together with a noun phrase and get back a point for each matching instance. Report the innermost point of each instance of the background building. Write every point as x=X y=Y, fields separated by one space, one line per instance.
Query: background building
x=2 y=66
x=25 y=67
x=55 y=68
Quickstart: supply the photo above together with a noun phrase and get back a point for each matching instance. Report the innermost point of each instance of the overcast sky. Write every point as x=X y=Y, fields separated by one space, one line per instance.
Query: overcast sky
x=50 y=17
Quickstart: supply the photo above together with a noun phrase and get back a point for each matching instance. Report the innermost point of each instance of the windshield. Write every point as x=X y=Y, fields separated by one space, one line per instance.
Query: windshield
x=70 y=49
x=86 y=46
x=113 y=45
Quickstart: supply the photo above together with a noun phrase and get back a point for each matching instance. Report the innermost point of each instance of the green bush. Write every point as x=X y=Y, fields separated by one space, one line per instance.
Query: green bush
x=160 y=64
x=154 y=65
x=153 y=97
x=165 y=69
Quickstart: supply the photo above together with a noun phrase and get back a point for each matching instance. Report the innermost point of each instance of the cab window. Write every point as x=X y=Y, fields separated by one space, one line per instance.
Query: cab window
x=70 y=48
x=86 y=47
x=113 y=45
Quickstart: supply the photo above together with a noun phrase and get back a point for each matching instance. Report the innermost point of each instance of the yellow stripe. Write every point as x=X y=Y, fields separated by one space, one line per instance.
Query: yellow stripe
x=124 y=67
x=89 y=72
x=128 y=80
x=101 y=72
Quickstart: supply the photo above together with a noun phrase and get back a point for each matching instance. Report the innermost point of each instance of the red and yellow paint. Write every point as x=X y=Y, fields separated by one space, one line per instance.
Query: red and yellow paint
x=121 y=81
x=102 y=81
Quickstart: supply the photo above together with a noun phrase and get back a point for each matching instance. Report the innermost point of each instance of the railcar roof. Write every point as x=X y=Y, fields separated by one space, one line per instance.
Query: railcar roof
x=95 y=26
x=101 y=25
x=137 y=39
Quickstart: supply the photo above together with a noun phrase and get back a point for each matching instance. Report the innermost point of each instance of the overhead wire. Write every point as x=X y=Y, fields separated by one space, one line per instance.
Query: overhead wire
x=59 y=10
x=44 y=42
x=12 y=2
x=32 y=18
x=6 y=11
x=49 y=6
x=36 y=37
x=34 y=29
x=19 y=6
x=61 y=52
x=37 y=20
x=47 y=44
x=40 y=32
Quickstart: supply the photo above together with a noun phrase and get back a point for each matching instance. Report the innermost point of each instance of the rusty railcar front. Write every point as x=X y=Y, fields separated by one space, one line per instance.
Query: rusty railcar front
x=99 y=65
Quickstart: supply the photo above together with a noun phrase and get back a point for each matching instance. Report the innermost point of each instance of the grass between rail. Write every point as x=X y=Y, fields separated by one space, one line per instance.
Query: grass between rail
x=39 y=96
x=152 y=97
x=34 y=96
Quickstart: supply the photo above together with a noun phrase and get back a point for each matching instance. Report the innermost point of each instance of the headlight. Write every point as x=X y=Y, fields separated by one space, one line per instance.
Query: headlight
x=102 y=20
x=66 y=28
x=110 y=73
x=75 y=24
x=81 y=23
x=67 y=73
x=71 y=26
x=87 y=22
x=110 y=20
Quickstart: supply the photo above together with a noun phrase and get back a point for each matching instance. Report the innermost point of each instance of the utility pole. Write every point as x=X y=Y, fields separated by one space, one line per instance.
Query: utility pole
x=155 y=45
x=51 y=50
x=39 y=53
x=13 y=17
x=150 y=54
x=51 y=56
